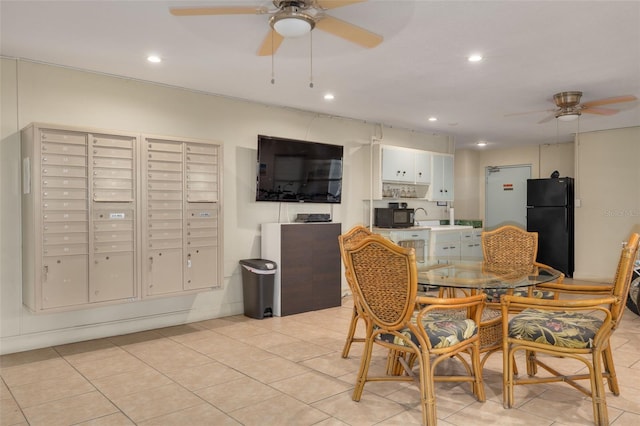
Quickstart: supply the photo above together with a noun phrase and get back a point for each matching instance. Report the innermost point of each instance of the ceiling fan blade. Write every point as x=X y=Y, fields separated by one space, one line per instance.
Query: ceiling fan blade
x=332 y=4
x=599 y=111
x=547 y=118
x=609 y=101
x=230 y=10
x=350 y=32
x=270 y=44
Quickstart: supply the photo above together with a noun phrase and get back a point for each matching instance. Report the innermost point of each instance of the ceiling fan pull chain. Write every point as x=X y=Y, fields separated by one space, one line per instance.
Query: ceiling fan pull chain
x=311 y=59
x=273 y=74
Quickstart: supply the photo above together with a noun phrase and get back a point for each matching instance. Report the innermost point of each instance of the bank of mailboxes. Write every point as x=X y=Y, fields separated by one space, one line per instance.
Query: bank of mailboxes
x=117 y=217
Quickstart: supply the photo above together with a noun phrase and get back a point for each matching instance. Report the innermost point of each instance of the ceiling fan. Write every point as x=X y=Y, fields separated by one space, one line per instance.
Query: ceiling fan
x=569 y=106
x=294 y=19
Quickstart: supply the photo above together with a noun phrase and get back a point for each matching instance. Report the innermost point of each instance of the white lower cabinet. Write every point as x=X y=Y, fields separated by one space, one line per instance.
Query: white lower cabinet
x=417 y=239
x=471 y=245
x=446 y=245
x=456 y=244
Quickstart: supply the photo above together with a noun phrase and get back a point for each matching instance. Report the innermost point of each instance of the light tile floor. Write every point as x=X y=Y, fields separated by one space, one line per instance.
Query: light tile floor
x=275 y=371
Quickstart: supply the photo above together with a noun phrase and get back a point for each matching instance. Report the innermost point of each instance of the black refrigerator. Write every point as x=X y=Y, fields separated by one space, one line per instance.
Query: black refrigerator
x=550 y=214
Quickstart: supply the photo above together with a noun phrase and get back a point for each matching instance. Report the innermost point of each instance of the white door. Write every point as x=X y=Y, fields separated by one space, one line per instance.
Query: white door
x=506 y=196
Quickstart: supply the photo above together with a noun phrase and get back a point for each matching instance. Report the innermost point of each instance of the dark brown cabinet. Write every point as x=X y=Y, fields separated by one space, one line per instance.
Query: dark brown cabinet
x=308 y=277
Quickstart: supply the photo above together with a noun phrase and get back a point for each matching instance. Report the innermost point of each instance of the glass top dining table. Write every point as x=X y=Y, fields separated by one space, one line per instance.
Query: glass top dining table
x=478 y=276
x=472 y=274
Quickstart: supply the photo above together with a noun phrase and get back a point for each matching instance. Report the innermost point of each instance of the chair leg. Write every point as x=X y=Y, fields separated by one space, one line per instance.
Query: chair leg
x=394 y=368
x=508 y=362
x=610 y=370
x=532 y=366
x=351 y=333
x=364 y=364
x=427 y=390
x=600 y=412
x=476 y=365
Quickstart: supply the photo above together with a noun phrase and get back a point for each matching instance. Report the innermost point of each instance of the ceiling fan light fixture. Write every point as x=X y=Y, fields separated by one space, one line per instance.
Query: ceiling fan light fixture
x=568 y=116
x=291 y=24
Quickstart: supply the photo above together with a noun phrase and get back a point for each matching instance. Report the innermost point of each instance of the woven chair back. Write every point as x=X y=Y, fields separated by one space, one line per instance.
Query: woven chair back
x=348 y=239
x=352 y=236
x=509 y=248
x=386 y=280
x=622 y=280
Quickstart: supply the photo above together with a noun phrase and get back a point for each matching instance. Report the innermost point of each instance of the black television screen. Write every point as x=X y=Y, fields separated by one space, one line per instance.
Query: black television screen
x=297 y=171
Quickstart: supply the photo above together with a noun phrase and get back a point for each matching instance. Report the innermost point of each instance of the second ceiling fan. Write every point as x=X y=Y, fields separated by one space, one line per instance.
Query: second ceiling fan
x=568 y=106
x=292 y=19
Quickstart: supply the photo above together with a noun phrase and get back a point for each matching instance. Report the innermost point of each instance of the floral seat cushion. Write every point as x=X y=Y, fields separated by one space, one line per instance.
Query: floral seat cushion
x=564 y=329
x=442 y=328
x=493 y=295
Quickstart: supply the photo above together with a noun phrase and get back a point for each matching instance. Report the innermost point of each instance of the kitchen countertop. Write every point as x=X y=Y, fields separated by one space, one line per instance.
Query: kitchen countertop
x=432 y=228
x=437 y=225
x=438 y=228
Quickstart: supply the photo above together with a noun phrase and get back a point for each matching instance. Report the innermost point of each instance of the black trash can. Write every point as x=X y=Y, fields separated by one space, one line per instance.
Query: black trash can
x=257 y=286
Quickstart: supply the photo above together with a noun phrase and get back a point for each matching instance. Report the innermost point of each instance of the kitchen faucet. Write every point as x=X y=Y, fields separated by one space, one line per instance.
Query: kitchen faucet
x=415 y=214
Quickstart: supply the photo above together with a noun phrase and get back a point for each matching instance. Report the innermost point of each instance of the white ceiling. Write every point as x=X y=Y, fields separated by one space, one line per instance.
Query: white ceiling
x=532 y=50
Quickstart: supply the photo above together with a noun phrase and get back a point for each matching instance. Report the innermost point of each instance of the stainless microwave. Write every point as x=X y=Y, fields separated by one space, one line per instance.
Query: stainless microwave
x=393 y=217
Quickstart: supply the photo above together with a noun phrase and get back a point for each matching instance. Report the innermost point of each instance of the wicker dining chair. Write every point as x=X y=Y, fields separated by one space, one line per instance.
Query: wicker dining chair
x=347 y=239
x=578 y=328
x=385 y=278
x=509 y=248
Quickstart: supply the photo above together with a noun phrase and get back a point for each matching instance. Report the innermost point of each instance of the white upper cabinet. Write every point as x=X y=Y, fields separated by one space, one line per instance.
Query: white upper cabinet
x=398 y=170
x=398 y=165
x=442 y=182
x=423 y=167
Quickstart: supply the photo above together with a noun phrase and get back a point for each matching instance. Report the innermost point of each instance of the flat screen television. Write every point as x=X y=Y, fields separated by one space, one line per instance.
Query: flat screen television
x=296 y=171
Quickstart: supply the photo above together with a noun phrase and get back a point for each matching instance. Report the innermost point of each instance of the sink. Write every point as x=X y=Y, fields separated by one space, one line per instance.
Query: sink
x=428 y=223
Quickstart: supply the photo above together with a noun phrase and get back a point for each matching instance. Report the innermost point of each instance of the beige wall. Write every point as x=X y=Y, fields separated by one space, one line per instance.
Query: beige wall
x=466 y=184
x=34 y=92
x=560 y=157
x=608 y=190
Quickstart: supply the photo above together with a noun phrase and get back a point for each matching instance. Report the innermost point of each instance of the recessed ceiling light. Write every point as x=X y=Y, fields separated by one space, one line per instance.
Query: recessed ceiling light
x=154 y=58
x=328 y=97
x=433 y=119
x=474 y=58
x=481 y=143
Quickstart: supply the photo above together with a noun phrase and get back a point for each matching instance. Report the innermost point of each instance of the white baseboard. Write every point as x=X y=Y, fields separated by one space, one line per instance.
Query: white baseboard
x=25 y=342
